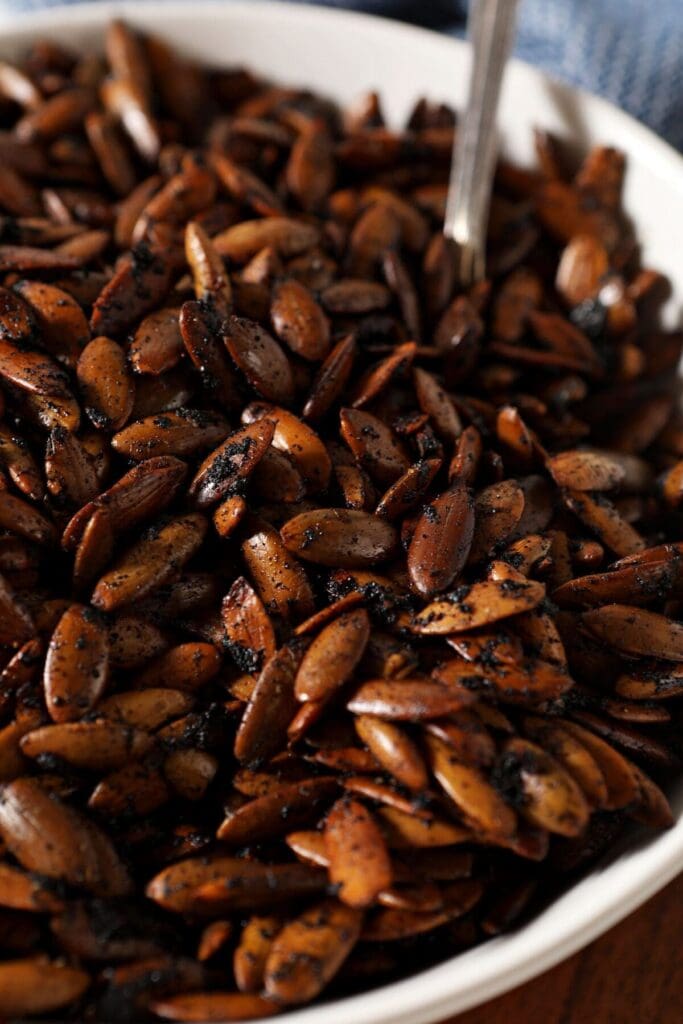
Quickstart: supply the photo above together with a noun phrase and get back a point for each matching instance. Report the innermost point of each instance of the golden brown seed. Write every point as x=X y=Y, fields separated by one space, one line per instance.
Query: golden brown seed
x=394 y=750
x=211 y=281
x=337 y=537
x=279 y=578
x=573 y=756
x=249 y=960
x=478 y=605
x=309 y=951
x=298 y=441
x=64 y=328
x=406 y=699
x=407 y=832
x=98 y=746
x=186 y=667
x=105 y=386
x=151 y=562
x=299 y=321
x=480 y=805
x=359 y=860
x=618 y=773
x=287 y=236
x=333 y=656
x=157 y=345
x=214 y=1006
x=34 y=985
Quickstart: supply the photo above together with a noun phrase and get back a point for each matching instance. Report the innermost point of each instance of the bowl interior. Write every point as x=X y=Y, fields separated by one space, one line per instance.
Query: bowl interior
x=344 y=54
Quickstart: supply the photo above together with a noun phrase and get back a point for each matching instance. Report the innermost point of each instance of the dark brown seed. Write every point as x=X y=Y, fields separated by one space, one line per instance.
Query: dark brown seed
x=21 y=518
x=331 y=378
x=268 y=816
x=245 y=186
x=498 y=510
x=249 y=631
x=138 y=495
x=441 y=541
x=277 y=336
x=176 y=432
x=373 y=445
x=310 y=171
x=51 y=839
x=389 y=925
x=355 y=295
x=140 y=282
x=126 y=101
x=271 y=706
x=551 y=797
x=234 y=460
x=260 y=359
x=110 y=150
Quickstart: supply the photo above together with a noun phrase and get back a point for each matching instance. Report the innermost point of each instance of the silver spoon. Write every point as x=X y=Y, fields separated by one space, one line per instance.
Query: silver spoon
x=491 y=29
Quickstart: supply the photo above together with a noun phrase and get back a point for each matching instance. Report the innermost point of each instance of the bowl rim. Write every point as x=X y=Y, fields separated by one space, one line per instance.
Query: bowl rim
x=500 y=964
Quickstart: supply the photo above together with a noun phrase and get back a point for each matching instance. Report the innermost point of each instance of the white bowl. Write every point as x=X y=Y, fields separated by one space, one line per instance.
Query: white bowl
x=344 y=54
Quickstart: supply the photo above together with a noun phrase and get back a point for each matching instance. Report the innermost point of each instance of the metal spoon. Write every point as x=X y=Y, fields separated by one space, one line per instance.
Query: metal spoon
x=491 y=29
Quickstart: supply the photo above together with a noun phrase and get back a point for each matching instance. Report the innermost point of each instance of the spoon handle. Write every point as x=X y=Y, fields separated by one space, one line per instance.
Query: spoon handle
x=491 y=28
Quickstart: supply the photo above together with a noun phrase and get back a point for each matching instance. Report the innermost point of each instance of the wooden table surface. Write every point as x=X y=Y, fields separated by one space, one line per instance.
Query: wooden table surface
x=632 y=975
